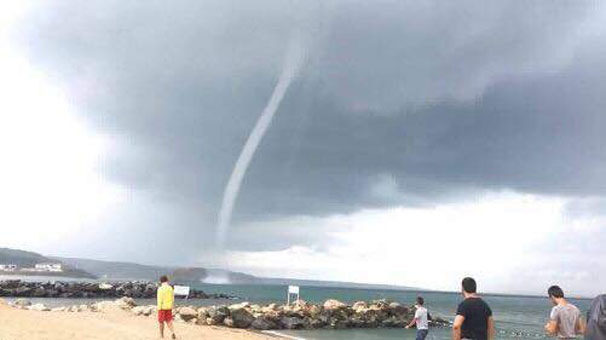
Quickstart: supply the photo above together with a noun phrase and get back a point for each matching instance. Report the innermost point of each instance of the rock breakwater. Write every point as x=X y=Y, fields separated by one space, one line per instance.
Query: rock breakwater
x=92 y=290
x=332 y=314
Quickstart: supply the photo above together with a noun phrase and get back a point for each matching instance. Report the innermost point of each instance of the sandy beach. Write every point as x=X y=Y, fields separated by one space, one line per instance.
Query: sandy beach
x=111 y=324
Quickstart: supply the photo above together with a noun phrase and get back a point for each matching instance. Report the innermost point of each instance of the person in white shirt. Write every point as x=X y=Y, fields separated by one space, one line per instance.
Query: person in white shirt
x=421 y=320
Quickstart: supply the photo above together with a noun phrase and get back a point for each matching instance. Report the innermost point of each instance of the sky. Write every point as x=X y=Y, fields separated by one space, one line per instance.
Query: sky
x=417 y=143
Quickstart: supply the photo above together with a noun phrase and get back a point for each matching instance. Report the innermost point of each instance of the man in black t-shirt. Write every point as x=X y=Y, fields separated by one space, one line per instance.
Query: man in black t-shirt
x=474 y=316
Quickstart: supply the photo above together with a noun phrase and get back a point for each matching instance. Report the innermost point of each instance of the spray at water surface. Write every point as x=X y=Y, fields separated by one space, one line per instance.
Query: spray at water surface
x=294 y=59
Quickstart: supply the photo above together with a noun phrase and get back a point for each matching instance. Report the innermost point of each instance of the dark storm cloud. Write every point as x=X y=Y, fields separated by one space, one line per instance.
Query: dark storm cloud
x=400 y=103
x=522 y=135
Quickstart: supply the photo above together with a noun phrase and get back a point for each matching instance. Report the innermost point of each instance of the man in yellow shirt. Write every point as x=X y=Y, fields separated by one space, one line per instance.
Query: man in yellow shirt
x=166 y=300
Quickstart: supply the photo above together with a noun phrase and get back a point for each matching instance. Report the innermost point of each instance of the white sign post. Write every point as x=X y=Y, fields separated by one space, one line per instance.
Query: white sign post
x=181 y=291
x=292 y=290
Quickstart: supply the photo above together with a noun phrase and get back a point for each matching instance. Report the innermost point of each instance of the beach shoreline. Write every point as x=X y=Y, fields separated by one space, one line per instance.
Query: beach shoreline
x=110 y=324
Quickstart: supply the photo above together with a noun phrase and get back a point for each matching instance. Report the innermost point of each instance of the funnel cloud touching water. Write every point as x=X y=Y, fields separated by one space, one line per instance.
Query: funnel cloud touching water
x=294 y=59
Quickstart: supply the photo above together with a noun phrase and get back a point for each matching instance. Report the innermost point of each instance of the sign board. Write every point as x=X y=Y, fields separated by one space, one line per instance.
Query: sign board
x=181 y=290
x=292 y=290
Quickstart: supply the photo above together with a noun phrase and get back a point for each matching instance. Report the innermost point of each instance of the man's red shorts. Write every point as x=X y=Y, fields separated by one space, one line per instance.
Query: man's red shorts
x=165 y=315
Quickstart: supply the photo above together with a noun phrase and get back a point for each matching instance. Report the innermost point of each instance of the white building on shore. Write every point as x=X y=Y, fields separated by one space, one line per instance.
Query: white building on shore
x=49 y=267
x=8 y=267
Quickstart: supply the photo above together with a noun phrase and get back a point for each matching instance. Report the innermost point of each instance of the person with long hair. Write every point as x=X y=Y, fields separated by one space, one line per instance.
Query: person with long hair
x=596 y=319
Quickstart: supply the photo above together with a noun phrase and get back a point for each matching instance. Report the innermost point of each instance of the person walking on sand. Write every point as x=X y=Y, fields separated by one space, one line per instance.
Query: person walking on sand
x=565 y=320
x=166 y=299
x=474 y=316
x=596 y=319
x=421 y=320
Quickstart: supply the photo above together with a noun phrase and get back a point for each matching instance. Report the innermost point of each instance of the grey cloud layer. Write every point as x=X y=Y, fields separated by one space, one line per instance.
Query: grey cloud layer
x=401 y=102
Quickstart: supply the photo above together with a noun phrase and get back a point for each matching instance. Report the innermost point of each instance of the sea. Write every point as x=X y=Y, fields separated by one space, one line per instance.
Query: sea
x=516 y=317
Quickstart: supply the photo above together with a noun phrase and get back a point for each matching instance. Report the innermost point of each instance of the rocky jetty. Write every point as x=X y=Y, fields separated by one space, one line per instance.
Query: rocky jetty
x=332 y=314
x=92 y=290
x=301 y=315
x=125 y=303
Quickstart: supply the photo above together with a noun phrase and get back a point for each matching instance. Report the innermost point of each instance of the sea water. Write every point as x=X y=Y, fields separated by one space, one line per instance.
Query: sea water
x=516 y=317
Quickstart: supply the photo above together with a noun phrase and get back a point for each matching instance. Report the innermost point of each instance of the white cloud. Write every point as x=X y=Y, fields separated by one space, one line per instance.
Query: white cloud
x=489 y=238
x=49 y=160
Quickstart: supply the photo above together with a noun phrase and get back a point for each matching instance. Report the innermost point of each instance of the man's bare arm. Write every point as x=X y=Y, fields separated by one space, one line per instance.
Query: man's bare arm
x=491 y=330
x=414 y=321
x=456 y=327
x=551 y=327
x=580 y=326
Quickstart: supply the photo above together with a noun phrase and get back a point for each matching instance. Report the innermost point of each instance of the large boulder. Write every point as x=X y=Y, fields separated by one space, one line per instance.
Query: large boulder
x=241 y=317
x=397 y=309
x=317 y=323
x=39 y=292
x=357 y=321
x=379 y=305
x=339 y=323
x=73 y=309
x=293 y=312
x=105 y=286
x=202 y=314
x=22 y=302
x=217 y=315
x=102 y=305
x=269 y=308
x=301 y=304
x=143 y=310
x=288 y=322
x=263 y=323
x=314 y=311
x=393 y=322
x=125 y=302
x=178 y=318
x=22 y=291
x=244 y=304
x=359 y=306
x=332 y=304
x=299 y=309
x=38 y=307
x=52 y=293
x=228 y=321
x=187 y=313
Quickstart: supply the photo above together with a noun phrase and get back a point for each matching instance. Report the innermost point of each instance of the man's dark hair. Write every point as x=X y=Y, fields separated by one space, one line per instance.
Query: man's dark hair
x=469 y=285
x=163 y=278
x=420 y=301
x=555 y=291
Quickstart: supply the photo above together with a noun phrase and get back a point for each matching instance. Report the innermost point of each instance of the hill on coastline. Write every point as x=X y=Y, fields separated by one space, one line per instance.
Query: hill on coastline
x=123 y=271
x=111 y=270
x=133 y=271
x=28 y=259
